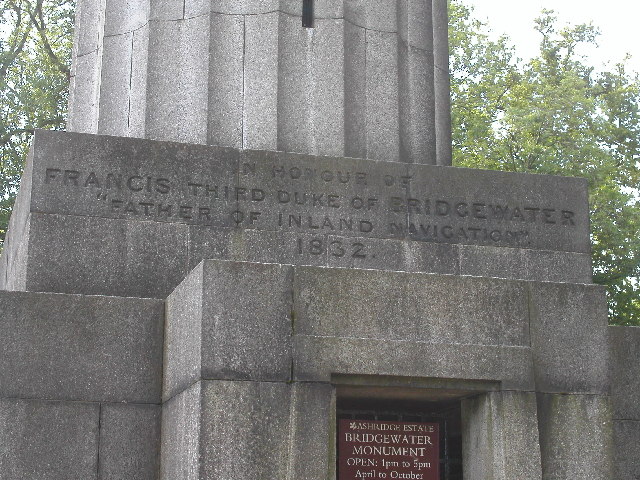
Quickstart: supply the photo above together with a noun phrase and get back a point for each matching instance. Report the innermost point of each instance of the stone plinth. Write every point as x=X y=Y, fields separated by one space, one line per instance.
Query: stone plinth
x=325 y=280
x=129 y=217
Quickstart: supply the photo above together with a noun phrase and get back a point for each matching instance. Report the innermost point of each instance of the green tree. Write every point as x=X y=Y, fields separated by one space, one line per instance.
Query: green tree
x=556 y=115
x=35 y=58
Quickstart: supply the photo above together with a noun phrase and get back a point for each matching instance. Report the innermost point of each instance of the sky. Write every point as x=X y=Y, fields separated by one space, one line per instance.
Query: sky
x=616 y=19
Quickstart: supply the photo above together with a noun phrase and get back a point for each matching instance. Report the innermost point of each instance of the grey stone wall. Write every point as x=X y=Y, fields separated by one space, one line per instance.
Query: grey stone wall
x=364 y=82
x=80 y=382
x=254 y=348
x=624 y=344
x=347 y=327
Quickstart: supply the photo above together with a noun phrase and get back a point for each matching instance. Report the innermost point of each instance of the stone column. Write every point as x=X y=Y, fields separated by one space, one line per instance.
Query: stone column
x=369 y=80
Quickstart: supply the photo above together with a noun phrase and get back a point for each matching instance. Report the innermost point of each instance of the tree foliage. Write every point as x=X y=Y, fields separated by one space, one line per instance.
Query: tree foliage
x=35 y=58
x=556 y=115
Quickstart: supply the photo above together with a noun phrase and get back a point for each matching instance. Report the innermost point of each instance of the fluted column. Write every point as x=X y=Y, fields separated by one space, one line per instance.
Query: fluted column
x=369 y=79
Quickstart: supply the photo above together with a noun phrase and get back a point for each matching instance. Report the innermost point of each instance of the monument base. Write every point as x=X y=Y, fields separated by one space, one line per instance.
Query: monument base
x=252 y=337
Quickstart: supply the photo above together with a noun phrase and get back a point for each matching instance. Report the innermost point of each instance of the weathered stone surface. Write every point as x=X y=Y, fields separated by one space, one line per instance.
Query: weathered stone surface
x=13 y=262
x=317 y=358
x=68 y=347
x=438 y=309
x=500 y=436
x=180 y=444
x=569 y=338
x=576 y=437
x=43 y=440
x=358 y=197
x=627 y=449
x=98 y=256
x=525 y=264
x=128 y=217
x=229 y=320
x=129 y=442
x=624 y=348
x=272 y=97
x=219 y=429
x=258 y=413
x=312 y=437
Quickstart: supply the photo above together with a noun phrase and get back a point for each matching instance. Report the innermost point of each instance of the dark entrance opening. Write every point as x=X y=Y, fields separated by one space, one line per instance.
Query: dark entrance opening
x=446 y=413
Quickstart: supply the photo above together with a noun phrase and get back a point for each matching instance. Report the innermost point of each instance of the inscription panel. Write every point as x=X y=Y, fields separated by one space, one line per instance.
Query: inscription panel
x=316 y=197
x=388 y=450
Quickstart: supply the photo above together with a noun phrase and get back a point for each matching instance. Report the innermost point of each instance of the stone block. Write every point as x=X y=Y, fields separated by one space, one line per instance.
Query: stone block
x=260 y=112
x=328 y=8
x=68 y=347
x=218 y=429
x=525 y=264
x=316 y=359
x=355 y=97
x=109 y=177
x=626 y=434
x=43 y=440
x=495 y=211
x=177 y=90
x=378 y=17
x=180 y=435
x=162 y=191
x=550 y=266
x=278 y=247
x=500 y=436
x=415 y=24
x=327 y=105
x=433 y=258
x=569 y=338
x=237 y=7
x=226 y=80
x=88 y=31
x=576 y=437
x=414 y=307
x=324 y=195
x=258 y=415
x=295 y=75
x=383 y=142
x=166 y=10
x=139 y=71
x=115 y=84
x=416 y=106
x=84 y=92
x=98 y=176
x=312 y=438
x=624 y=348
x=99 y=256
x=125 y=16
x=229 y=320
x=129 y=442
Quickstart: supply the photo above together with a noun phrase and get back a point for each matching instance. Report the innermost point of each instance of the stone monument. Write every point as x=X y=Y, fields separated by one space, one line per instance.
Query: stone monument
x=248 y=259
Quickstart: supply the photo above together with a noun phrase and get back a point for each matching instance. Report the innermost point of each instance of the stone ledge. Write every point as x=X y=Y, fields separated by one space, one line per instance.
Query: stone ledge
x=316 y=359
x=72 y=347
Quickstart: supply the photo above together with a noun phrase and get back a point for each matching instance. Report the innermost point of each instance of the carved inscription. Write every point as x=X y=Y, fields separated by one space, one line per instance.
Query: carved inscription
x=316 y=203
x=388 y=450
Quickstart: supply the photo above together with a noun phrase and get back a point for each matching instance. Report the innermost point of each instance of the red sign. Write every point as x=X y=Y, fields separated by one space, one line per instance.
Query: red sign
x=388 y=450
